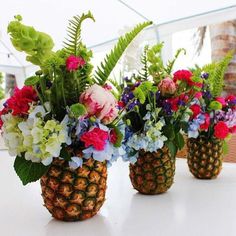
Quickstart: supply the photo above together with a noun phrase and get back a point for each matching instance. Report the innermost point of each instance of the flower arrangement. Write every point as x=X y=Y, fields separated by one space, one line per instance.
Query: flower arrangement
x=214 y=115
x=156 y=105
x=212 y=122
x=63 y=105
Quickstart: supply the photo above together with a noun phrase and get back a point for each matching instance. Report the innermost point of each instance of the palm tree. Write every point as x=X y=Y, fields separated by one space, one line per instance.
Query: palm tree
x=223 y=39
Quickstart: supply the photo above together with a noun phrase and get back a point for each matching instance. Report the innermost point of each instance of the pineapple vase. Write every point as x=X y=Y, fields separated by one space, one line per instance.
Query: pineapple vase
x=153 y=172
x=74 y=195
x=205 y=157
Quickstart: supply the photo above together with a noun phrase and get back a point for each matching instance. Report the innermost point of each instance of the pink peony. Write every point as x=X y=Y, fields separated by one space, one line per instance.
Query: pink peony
x=73 y=63
x=221 y=100
x=167 y=86
x=96 y=138
x=100 y=102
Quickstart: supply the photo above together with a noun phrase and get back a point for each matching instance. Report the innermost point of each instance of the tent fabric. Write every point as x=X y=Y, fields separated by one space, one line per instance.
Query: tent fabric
x=111 y=16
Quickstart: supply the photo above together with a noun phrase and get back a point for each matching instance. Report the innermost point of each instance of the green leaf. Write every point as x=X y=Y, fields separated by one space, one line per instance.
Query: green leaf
x=65 y=154
x=171 y=146
x=119 y=137
x=32 y=80
x=169 y=131
x=29 y=171
x=225 y=147
x=73 y=43
x=78 y=110
x=214 y=105
x=179 y=140
x=139 y=94
x=103 y=72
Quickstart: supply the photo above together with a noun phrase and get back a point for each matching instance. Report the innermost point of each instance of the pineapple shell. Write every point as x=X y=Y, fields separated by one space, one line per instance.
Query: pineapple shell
x=72 y=195
x=153 y=173
x=205 y=157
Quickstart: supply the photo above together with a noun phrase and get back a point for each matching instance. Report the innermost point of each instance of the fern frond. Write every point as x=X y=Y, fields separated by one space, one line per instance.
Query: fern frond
x=170 y=64
x=102 y=73
x=144 y=71
x=73 y=41
x=218 y=80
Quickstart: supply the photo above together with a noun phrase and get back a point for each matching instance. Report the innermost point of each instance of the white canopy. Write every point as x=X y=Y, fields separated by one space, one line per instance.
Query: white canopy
x=111 y=16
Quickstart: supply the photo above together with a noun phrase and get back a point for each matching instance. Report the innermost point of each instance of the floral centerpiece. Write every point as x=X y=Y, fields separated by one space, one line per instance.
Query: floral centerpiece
x=156 y=109
x=62 y=125
x=212 y=123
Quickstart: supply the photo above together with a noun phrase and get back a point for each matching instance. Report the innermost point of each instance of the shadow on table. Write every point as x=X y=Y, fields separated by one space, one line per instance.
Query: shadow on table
x=98 y=225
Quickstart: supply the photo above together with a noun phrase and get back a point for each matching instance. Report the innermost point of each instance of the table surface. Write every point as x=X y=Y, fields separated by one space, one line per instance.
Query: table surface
x=191 y=207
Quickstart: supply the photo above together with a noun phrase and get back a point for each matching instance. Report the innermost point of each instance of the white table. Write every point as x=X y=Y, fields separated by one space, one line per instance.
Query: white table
x=190 y=208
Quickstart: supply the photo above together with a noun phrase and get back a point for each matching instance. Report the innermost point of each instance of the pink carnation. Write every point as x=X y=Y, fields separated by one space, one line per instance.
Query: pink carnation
x=221 y=100
x=167 y=87
x=96 y=138
x=73 y=63
x=100 y=102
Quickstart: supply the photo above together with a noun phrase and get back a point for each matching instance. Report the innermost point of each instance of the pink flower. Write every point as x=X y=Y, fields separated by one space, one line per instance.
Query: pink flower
x=73 y=63
x=167 y=86
x=198 y=95
x=100 y=102
x=221 y=130
x=96 y=138
x=221 y=100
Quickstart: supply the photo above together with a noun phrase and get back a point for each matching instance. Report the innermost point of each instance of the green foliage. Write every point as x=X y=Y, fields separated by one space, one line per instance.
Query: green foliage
x=156 y=66
x=29 y=171
x=73 y=43
x=33 y=80
x=179 y=140
x=144 y=71
x=218 y=79
x=78 y=110
x=103 y=72
x=2 y=93
x=225 y=147
x=37 y=45
x=172 y=148
x=119 y=137
x=170 y=64
x=214 y=105
x=142 y=91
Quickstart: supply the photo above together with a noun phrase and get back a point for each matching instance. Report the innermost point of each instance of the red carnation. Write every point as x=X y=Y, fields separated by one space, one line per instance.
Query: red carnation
x=73 y=63
x=186 y=75
x=20 y=102
x=207 y=122
x=113 y=136
x=221 y=130
x=196 y=109
x=96 y=138
x=183 y=75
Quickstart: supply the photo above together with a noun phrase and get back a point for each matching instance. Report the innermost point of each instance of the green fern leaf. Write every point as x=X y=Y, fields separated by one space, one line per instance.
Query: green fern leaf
x=73 y=41
x=170 y=64
x=102 y=73
x=218 y=80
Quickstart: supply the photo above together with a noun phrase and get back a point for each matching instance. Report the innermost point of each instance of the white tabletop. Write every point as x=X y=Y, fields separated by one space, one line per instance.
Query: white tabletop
x=190 y=208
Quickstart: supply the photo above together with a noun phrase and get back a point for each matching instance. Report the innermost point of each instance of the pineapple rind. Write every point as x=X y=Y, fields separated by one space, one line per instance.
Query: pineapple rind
x=205 y=157
x=153 y=173
x=72 y=195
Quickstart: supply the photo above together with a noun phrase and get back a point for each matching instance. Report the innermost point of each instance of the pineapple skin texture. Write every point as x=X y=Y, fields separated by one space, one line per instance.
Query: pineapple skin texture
x=205 y=157
x=153 y=173
x=74 y=195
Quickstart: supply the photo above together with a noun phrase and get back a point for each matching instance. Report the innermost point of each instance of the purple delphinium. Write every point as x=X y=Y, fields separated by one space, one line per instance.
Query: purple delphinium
x=204 y=75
